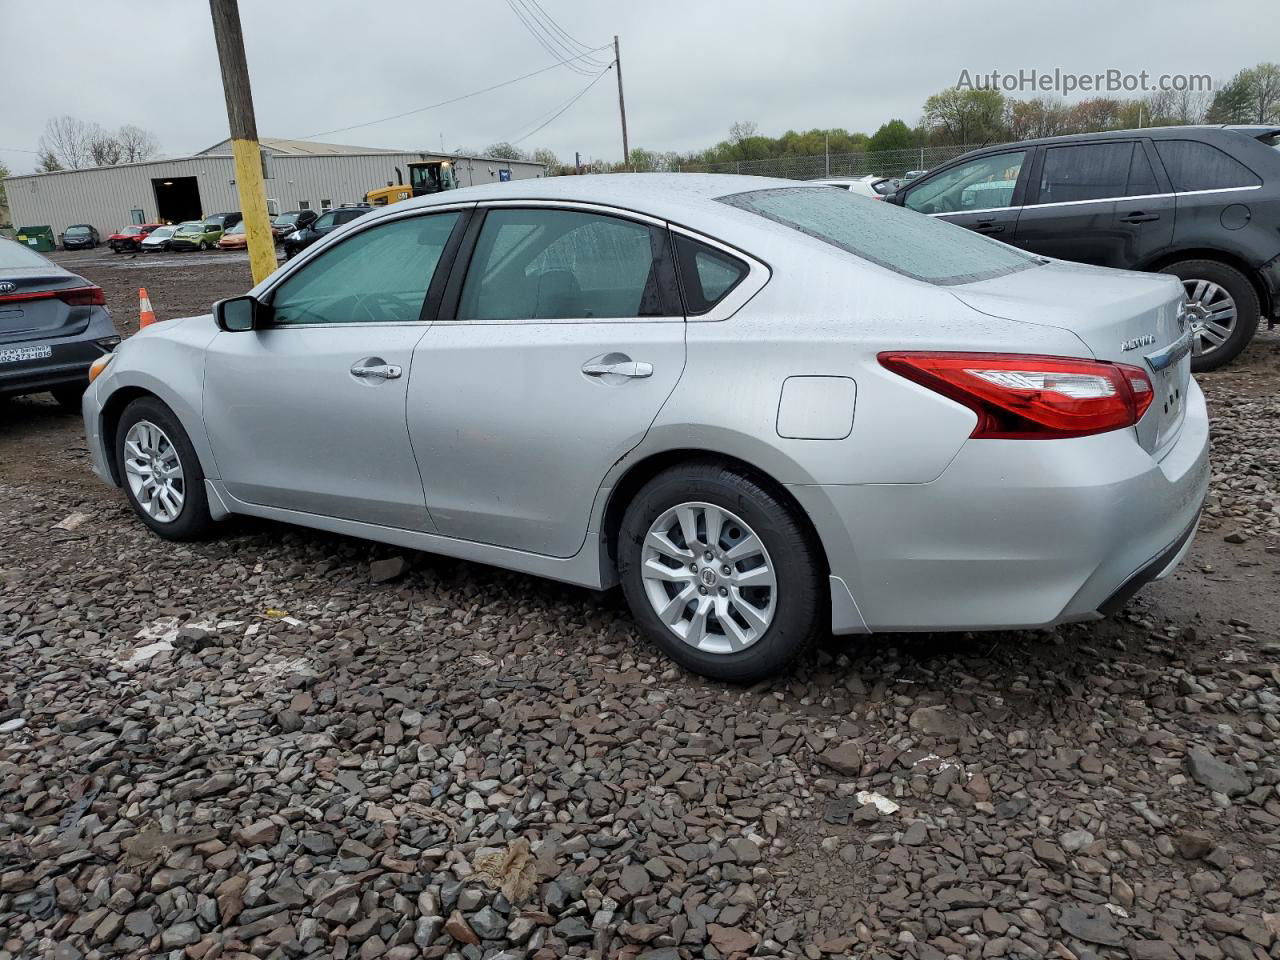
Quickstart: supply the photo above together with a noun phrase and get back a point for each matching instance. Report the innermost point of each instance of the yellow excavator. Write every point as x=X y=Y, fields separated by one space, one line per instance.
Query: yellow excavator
x=426 y=176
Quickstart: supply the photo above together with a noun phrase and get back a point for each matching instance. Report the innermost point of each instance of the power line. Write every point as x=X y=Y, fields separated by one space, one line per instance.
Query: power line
x=574 y=99
x=567 y=40
x=442 y=103
x=19 y=150
x=558 y=51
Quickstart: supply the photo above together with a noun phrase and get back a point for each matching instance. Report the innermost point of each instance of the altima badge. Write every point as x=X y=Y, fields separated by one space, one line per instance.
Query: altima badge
x=1143 y=341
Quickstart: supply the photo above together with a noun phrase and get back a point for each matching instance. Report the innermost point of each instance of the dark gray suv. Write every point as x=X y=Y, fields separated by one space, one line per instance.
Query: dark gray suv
x=53 y=325
x=1202 y=203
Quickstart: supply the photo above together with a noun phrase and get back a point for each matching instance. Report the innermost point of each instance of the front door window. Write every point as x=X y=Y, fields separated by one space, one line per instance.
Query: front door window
x=982 y=184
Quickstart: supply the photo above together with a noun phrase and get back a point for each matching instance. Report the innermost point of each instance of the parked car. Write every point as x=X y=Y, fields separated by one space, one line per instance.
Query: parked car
x=234 y=238
x=293 y=220
x=130 y=237
x=297 y=241
x=1200 y=203
x=871 y=185
x=195 y=235
x=81 y=236
x=225 y=221
x=912 y=175
x=53 y=325
x=158 y=239
x=558 y=379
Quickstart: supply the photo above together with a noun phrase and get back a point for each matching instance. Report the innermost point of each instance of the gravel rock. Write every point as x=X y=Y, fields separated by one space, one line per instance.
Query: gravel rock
x=1217 y=775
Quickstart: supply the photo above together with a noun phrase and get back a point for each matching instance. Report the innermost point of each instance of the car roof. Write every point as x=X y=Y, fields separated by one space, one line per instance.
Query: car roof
x=1208 y=132
x=670 y=196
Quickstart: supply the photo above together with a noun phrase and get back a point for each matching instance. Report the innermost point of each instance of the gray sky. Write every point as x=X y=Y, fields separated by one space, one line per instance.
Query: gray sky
x=692 y=67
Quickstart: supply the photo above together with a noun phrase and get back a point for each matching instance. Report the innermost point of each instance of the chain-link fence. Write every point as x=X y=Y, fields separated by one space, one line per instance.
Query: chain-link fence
x=884 y=163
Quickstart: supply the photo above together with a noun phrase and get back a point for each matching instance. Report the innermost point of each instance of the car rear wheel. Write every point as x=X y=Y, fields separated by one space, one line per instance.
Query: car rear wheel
x=1223 y=307
x=719 y=573
x=160 y=472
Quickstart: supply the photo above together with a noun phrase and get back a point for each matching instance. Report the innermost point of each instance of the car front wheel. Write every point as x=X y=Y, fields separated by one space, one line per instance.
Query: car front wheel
x=720 y=573
x=1223 y=308
x=160 y=472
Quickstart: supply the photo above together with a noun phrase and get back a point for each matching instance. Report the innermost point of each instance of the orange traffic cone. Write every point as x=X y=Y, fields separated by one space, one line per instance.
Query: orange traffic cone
x=146 y=316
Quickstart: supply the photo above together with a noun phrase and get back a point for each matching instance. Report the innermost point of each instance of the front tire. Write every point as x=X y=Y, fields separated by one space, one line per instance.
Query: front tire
x=1224 y=310
x=719 y=573
x=160 y=472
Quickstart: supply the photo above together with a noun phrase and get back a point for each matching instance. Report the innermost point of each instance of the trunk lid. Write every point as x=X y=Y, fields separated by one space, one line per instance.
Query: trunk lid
x=29 y=312
x=1118 y=315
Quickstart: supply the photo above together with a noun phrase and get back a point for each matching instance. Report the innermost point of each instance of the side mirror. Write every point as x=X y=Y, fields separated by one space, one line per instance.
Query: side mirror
x=239 y=314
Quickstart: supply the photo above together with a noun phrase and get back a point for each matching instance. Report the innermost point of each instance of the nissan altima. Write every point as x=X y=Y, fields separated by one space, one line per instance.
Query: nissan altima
x=767 y=410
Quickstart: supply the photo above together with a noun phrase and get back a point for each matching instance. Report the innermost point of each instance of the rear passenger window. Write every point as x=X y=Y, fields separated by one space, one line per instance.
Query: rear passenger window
x=1093 y=171
x=706 y=274
x=1142 y=179
x=562 y=264
x=1193 y=165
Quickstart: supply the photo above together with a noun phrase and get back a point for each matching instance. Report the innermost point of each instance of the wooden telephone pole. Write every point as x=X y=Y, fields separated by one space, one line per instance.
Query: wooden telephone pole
x=622 y=106
x=244 y=137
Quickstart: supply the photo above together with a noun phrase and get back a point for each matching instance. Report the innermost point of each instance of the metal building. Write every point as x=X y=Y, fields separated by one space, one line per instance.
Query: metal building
x=300 y=175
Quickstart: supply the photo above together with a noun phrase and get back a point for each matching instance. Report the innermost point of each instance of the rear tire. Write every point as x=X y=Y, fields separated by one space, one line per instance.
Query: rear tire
x=168 y=443
x=783 y=617
x=1247 y=307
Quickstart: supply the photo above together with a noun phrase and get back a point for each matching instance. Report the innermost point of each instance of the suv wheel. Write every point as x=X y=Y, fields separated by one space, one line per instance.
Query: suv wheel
x=69 y=395
x=1223 y=307
x=160 y=472
x=720 y=574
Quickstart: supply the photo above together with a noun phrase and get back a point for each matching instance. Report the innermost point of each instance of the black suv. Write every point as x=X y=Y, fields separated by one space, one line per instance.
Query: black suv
x=1202 y=203
x=329 y=221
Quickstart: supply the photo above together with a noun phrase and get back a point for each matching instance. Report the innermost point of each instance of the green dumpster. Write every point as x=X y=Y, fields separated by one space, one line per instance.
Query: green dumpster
x=40 y=239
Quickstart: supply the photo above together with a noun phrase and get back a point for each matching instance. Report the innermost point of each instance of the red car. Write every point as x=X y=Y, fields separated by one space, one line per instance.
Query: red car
x=131 y=237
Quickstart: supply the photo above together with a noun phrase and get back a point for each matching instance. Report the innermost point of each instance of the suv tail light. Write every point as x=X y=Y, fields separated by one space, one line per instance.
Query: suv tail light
x=1024 y=397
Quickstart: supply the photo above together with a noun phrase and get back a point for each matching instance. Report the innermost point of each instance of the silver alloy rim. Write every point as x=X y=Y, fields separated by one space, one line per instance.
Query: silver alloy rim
x=154 y=471
x=1213 y=315
x=709 y=578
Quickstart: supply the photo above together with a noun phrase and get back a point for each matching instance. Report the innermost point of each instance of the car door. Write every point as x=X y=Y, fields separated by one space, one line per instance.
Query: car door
x=1095 y=202
x=983 y=194
x=308 y=413
x=555 y=349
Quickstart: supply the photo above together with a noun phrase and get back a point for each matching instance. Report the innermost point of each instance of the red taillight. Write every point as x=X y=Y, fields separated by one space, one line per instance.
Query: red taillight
x=82 y=297
x=75 y=296
x=1020 y=397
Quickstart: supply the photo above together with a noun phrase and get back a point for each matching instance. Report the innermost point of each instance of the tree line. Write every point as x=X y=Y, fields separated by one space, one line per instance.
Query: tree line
x=955 y=117
x=69 y=143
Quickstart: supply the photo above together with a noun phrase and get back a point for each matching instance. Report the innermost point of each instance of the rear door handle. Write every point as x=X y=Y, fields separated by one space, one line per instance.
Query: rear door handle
x=1139 y=217
x=985 y=226
x=375 y=368
x=635 y=369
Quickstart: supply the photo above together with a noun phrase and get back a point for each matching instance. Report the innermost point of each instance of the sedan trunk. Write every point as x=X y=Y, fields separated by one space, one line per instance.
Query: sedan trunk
x=1123 y=317
x=30 y=307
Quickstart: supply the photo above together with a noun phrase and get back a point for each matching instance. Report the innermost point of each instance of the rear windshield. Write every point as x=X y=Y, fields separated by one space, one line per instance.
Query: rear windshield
x=14 y=256
x=901 y=240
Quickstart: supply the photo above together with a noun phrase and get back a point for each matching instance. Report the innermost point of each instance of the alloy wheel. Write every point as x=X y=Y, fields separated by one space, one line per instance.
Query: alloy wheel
x=154 y=471
x=1213 y=315
x=708 y=577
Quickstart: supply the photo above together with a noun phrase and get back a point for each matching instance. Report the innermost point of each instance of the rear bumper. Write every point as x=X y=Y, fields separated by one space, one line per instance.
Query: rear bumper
x=1015 y=533
x=69 y=362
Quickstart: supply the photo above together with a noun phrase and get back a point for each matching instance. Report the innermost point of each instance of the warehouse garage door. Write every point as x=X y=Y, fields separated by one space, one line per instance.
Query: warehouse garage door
x=177 y=199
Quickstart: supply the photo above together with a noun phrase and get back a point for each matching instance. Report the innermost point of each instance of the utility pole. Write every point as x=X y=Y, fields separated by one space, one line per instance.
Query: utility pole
x=622 y=106
x=244 y=137
x=577 y=162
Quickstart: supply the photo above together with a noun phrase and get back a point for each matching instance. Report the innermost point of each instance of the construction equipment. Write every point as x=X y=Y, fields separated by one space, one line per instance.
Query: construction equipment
x=425 y=176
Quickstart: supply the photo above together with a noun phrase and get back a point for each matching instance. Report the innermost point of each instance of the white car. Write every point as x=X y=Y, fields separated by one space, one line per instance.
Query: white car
x=158 y=239
x=768 y=409
x=871 y=185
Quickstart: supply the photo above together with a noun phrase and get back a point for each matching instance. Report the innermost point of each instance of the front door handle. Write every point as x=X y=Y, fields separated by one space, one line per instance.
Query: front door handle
x=635 y=369
x=1139 y=217
x=375 y=368
x=987 y=226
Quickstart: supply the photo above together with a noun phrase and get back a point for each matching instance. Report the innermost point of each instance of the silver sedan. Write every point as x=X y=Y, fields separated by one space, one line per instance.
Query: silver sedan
x=767 y=409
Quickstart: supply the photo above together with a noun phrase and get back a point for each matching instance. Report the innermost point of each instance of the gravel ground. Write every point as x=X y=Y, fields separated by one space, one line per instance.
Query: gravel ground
x=282 y=743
